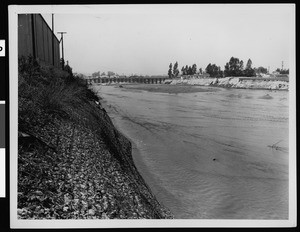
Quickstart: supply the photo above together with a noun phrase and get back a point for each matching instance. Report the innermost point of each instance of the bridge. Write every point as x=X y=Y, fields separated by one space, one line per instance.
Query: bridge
x=134 y=79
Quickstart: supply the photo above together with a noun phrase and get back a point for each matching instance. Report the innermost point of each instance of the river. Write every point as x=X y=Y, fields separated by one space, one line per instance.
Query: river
x=207 y=154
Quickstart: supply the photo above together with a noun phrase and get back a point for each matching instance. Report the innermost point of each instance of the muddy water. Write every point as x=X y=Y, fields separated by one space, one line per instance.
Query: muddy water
x=207 y=155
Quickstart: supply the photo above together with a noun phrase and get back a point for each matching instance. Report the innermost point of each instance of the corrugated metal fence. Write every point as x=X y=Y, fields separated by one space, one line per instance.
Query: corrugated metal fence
x=35 y=38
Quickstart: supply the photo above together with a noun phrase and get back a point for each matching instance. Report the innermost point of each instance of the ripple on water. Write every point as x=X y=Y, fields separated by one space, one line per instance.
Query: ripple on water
x=182 y=135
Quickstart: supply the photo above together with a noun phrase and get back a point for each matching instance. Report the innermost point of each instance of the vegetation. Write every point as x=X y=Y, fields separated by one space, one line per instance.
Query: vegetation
x=233 y=68
x=72 y=162
x=48 y=90
x=214 y=70
x=261 y=70
x=283 y=71
x=175 y=69
x=96 y=74
x=189 y=70
x=170 y=72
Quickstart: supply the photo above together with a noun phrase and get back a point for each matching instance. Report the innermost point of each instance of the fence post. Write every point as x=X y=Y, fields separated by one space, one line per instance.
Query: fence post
x=33 y=36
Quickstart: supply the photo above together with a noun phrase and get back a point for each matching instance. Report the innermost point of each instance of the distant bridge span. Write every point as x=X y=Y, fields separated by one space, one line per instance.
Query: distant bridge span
x=142 y=80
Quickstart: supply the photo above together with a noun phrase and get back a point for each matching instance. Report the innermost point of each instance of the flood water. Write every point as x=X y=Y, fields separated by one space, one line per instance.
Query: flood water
x=207 y=155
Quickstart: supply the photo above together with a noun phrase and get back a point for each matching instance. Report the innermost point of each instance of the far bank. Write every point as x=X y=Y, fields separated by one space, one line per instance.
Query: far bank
x=234 y=82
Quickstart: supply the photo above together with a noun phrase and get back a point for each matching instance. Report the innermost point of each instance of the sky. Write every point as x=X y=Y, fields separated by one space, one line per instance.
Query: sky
x=145 y=39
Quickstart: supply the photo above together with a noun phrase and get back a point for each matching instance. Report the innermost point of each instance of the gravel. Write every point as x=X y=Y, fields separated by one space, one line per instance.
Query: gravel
x=80 y=167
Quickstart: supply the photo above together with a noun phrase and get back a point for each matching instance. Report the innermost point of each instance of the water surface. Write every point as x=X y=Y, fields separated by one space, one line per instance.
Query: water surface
x=207 y=154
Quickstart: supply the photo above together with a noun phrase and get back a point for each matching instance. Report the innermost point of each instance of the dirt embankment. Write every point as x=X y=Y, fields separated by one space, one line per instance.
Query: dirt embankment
x=72 y=162
x=234 y=82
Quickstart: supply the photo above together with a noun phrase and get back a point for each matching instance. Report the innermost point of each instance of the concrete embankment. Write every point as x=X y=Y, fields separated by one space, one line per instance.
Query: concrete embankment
x=234 y=82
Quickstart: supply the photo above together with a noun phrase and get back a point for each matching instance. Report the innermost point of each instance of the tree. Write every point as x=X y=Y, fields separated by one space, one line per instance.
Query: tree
x=220 y=72
x=234 y=67
x=190 y=71
x=183 y=70
x=110 y=73
x=249 y=64
x=186 y=70
x=175 y=69
x=96 y=74
x=213 y=70
x=284 y=71
x=200 y=71
x=194 y=69
x=249 y=71
x=170 y=74
x=241 y=67
x=208 y=69
x=261 y=69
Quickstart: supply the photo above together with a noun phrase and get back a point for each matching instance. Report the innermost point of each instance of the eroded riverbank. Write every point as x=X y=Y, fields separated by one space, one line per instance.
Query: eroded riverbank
x=235 y=82
x=72 y=161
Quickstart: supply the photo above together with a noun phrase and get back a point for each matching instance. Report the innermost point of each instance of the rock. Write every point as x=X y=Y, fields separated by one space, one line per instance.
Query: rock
x=91 y=212
x=19 y=211
x=104 y=216
x=39 y=193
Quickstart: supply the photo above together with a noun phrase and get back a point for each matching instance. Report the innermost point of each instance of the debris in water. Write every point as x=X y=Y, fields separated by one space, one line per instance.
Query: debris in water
x=274 y=146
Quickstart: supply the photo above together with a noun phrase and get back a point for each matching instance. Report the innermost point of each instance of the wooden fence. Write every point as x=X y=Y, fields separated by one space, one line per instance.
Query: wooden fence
x=36 y=38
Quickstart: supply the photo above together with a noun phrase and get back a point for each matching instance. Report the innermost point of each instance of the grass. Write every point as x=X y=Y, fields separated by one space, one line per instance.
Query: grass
x=49 y=91
x=67 y=148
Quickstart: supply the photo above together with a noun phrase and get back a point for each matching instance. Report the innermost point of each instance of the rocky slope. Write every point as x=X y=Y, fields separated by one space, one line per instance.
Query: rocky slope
x=73 y=163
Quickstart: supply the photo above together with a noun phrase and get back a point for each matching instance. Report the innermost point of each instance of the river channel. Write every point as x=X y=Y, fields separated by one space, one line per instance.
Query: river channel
x=208 y=154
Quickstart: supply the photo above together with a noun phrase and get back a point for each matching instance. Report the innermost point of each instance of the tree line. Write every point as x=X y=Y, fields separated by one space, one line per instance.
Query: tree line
x=97 y=74
x=234 y=68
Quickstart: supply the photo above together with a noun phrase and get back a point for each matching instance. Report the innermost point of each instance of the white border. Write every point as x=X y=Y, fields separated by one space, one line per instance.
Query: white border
x=2 y=168
x=2 y=172
x=90 y=9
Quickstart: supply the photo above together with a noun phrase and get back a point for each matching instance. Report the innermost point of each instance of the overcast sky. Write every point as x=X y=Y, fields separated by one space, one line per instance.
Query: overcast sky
x=144 y=39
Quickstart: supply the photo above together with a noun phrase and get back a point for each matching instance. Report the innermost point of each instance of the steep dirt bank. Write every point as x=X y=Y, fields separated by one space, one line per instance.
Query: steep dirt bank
x=72 y=162
x=234 y=82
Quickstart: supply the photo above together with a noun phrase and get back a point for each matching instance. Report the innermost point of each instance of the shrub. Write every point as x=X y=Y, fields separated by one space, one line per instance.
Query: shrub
x=49 y=91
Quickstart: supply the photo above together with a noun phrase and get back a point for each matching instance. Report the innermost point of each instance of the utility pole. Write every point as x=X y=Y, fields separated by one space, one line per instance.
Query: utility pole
x=62 y=49
x=282 y=66
x=33 y=35
x=53 y=40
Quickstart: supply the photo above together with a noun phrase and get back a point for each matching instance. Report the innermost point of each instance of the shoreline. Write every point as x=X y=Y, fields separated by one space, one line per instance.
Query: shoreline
x=233 y=82
x=225 y=83
x=136 y=153
x=180 y=88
